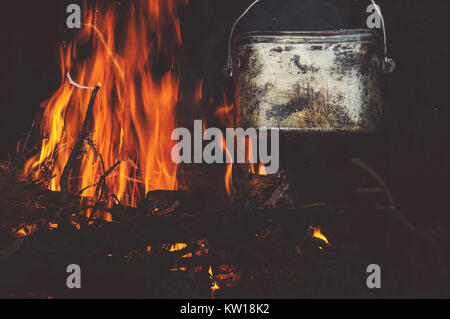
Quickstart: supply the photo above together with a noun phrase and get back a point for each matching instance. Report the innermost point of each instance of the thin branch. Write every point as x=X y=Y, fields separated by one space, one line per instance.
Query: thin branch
x=79 y=144
x=101 y=184
x=96 y=153
x=393 y=207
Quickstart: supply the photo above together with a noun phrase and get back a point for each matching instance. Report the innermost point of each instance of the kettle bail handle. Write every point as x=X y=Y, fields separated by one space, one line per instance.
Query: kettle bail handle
x=228 y=71
x=389 y=64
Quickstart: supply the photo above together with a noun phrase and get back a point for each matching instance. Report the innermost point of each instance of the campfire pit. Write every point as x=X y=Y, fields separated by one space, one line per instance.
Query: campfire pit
x=100 y=189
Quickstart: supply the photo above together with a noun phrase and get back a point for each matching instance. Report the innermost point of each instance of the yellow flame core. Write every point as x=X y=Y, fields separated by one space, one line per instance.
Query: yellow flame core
x=178 y=247
x=318 y=234
x=214 y=286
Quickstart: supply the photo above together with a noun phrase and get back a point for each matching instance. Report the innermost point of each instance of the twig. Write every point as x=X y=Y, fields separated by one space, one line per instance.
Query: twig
x=100 y=189
x=366 y=190
x=114 y=196
x=85 y=189
x=101 y=184
x=79 y=144
x=21 y=148
x=383 y=185
x=96 y=153
x=27 y=139
x=443 y=261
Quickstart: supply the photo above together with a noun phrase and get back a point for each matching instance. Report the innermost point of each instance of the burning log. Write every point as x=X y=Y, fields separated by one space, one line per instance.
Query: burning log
x=131 y=86
x=282 y=244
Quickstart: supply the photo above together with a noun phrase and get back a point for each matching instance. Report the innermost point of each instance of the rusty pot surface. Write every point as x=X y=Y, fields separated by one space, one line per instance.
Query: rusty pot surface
x=322 y=81
x=309 y=81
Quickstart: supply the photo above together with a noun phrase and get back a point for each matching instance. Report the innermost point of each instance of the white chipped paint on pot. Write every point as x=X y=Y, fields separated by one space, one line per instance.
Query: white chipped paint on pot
x=309 y=81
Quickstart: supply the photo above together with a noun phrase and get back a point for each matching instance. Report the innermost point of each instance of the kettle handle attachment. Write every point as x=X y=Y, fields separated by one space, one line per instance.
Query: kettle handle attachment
x=229 y=67
x=389 y=64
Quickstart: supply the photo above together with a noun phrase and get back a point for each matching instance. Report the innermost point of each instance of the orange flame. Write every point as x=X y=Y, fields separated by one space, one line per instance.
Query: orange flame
x=214 y=286
x=226 y=118
x=26 y=231
x=318 y=234
x=199 y=92
x=229 y=172
x=261 y=169
x=134 y=113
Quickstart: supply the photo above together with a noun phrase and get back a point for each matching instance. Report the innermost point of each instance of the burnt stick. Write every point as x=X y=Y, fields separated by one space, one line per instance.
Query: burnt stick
x=79 y=144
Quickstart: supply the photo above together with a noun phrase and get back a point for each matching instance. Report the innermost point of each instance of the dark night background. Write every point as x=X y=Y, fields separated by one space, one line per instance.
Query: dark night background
x=416 y=153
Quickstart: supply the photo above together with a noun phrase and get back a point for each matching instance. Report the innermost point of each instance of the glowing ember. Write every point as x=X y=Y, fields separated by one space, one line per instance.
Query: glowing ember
x=76 y=225
x=52 y=226
x=318 y=234
x=26 y=231
x=177 y=247
x=203 y=248
x=107 y=217
x=214 y=286
x=229 y=275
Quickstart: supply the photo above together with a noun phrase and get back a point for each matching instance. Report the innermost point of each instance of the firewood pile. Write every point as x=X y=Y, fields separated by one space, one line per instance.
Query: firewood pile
x=264 y=243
